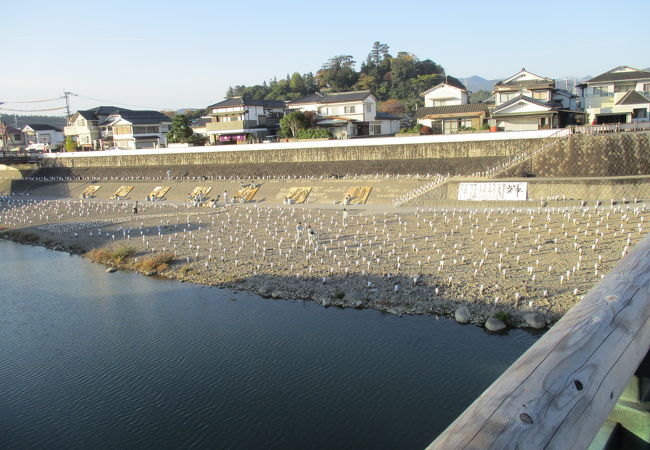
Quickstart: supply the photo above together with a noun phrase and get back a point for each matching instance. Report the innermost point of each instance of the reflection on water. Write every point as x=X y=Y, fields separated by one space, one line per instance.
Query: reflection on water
x=96 y=360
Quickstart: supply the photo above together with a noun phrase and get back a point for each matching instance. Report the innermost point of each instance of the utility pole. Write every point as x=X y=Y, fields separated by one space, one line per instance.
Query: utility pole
x=66 y=94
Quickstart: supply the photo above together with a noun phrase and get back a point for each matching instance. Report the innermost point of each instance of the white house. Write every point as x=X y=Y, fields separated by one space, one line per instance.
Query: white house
x=447 y=93
x=48 y=135
x=348 y=114
x=621 y=95
x=526 y=101
x=447 y=109
x=237 y=119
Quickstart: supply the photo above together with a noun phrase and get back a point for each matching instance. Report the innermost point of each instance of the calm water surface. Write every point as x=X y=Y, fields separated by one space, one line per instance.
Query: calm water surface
x=96 y=360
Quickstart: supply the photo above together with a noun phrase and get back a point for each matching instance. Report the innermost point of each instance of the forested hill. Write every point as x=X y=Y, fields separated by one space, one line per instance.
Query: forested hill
x=23 y=120
x=402 y=77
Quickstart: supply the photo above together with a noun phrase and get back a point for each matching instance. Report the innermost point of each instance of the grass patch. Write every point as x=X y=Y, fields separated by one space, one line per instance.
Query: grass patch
x=116 y=257
x=339 y=295
x=158 y=263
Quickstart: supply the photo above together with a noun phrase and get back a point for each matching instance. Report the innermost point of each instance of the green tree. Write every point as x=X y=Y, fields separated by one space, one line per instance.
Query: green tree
x=292 y=123
x=479 y=96
x=377 y=53
x=296 y=83
x=180 y=131
x=70 y=144
x=338 y=73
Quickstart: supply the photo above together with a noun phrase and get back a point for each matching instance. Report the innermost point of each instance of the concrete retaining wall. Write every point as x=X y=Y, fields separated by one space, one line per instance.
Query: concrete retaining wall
x=359 y=152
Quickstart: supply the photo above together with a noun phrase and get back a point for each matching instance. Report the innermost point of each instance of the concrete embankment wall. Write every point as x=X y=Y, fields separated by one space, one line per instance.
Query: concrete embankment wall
x=602 y=155
x=365 y=157
x=605 y=155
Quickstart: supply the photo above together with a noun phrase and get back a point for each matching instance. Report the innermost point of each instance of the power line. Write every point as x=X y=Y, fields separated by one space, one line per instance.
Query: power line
x=32 y=110
x=110 y=102
x=35 y=101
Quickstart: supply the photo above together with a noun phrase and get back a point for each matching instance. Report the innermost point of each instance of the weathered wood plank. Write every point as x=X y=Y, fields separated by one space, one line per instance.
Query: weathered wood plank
x=559 y=393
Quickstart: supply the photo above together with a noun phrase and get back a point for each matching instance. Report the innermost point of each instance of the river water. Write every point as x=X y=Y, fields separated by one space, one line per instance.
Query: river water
x=96 y=360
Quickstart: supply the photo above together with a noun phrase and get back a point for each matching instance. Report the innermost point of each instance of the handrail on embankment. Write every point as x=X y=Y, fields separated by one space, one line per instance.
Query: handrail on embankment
x=559 y=393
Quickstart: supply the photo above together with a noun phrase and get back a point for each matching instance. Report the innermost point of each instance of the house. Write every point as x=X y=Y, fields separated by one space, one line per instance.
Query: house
x=526 y=101
x=621 y=95
x=237 y=119
x=132 y=130
x=199 y=126
x=446 y=109
x=10 y=137
x=83 y=126
x=47 y=135
x=447 y=93
x=348 y=114
x=453 y=118
x=107 y=126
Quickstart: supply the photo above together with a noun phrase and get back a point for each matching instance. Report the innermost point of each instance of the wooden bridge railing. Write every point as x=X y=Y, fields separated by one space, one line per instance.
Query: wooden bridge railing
x=559 y=393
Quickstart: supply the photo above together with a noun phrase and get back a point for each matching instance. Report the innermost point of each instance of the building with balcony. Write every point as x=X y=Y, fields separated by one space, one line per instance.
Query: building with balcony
x=621 y=95
x=348 y=114
x=237 y=119
x=109 y=126
x=83 y=126
x=526 y=101
x=132 y=130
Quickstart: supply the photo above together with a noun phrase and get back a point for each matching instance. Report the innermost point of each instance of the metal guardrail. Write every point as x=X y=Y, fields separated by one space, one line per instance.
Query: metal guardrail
x=611 y=128
x=10 y=156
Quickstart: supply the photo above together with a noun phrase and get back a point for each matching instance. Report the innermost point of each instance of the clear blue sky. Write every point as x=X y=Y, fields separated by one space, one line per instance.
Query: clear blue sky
x=174 y=54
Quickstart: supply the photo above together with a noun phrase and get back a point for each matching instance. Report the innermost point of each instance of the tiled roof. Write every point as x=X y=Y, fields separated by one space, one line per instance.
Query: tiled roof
x=239 y=101
x=43 y=127
x=613 y=75
x=11 y=130
x=91 y=114
x=520 y=98
x=200 y=122
x=451 y=109
x=313 y=98
x=340 y=97
x=526 y=83
x=632 y=98
x=139 y=117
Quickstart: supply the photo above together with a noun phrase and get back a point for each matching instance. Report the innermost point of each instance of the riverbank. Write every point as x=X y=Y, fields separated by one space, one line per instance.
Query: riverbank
x=504 y=263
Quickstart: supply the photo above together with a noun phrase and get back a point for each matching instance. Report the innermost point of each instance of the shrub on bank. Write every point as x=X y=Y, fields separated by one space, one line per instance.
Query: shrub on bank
x=158 y=263
x=117 y=256
x=122 y=254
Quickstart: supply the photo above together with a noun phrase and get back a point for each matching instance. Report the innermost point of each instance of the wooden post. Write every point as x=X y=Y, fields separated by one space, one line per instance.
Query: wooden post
x=559 y=393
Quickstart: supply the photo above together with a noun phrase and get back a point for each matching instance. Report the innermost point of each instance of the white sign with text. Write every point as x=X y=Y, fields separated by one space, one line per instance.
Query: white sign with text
x=493 y=191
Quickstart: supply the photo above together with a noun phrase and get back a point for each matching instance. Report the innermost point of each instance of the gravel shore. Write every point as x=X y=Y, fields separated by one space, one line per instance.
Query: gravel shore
x=504 y=263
